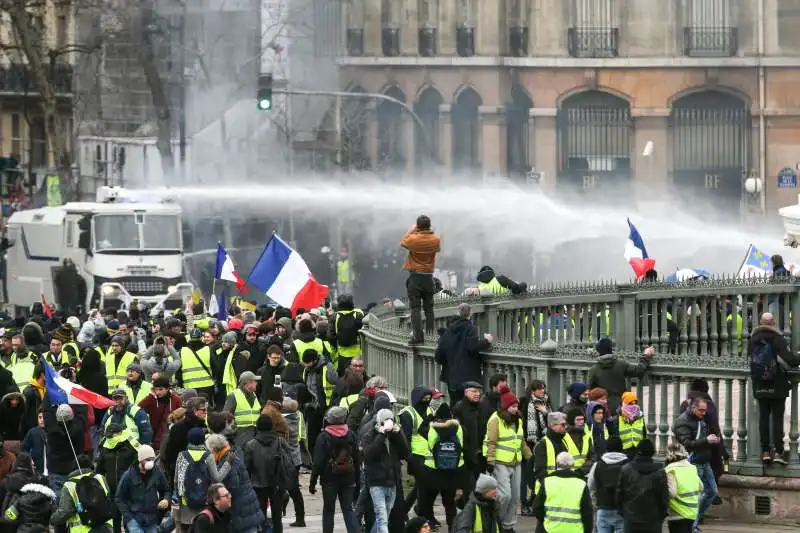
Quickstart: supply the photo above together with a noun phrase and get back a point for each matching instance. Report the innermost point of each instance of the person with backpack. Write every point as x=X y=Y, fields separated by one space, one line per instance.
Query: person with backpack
x=443 y=471
x=215 y=517
x=770 y=358
x=246 y=514
x=269 y=463
x=344 y=331
x=117 y=454
x=336 y=462
x=143 y=493
x=84 y=501
x=195 y=472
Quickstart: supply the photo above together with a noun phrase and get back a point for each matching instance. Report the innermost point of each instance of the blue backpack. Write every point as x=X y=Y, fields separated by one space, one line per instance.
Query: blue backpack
x=447 y=452
x=196 y=482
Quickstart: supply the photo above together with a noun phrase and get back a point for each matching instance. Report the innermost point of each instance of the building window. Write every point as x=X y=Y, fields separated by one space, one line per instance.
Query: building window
x=326 y=29
x=466 y=132
x=391 y=137
x=427 y=11
x=16 y=134
x=62 y=28
x=594 y=31
x=710 y=145
x=788 y=22
x=517 y=17
x=710 y=29
x=355 y=112
x=355 y=28
x=38 y=143
x=390 y=27
x=595 y=134
x=426 y=145
x=466 y=21
x=519 y=128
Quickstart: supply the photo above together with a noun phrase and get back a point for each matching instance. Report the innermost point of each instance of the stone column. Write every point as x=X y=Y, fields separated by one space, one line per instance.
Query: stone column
x=409 y=28
x=372 y=28
x=446 y=28
x=492 y=139
x=486 y=27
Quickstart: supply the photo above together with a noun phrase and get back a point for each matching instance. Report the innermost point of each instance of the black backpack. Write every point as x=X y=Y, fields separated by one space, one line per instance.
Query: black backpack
x=763 y=364
x=447 y=452
x=347 y=327
x=285 y=471
x=341 y=459
x=196 y=481
x=94 y=505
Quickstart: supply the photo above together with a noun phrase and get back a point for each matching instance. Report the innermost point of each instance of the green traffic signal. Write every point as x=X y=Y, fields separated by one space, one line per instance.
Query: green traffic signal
x=264 y=100
x=264 y=104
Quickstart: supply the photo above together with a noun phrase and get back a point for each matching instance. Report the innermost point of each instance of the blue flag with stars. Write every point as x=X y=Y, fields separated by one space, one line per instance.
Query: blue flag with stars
x=756 y=263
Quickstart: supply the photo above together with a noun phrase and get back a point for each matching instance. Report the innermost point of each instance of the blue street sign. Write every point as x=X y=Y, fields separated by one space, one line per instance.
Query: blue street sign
x=787 y=178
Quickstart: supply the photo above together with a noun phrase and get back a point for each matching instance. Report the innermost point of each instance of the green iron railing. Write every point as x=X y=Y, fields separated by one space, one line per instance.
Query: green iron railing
x=700 y=329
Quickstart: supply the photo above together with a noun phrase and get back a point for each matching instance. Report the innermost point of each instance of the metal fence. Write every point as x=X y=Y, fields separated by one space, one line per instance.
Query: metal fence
x=700 y=329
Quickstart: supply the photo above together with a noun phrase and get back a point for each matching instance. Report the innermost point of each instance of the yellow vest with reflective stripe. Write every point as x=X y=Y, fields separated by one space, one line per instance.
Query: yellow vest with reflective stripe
x=508 y=448
x=245 y=414
x=348 y=351
x=550 y=453
x=116 y=376
x=194 y=375
x=328 y=388
x=433 y=438
x=562 y=507
x=74 y=348
x=343 y=271
x=317 y=345
x=631 y=433
x=74 y=524
x=301 y=427
x=493 y=287
x=685 y=504
x=588 y=431
x=419 y=446
x=739 y=327
x=477 y=525
x=144 y=390
x=22 y=371
x=130 y=422
x=228 y=372
x=347 y=401
x=580 y=456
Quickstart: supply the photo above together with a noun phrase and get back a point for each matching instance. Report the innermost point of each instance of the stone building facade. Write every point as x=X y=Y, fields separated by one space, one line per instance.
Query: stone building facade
x=682 y=99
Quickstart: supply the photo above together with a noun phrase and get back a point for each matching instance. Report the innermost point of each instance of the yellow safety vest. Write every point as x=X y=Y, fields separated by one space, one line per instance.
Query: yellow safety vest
x=739 y=328
x=580 y=456
x=550 y=454
x=130 y=422
x=588 y=431
x=477 y=525
x=116 y=376
x=419 y=446
x=197 y=456
x=348 y=351
x=317 y=345
x=111 y=443
x=328 y=388
x=343 y=274
x=347 y=401
x=433 y=438
x=245 y=414
x=631 y=433
x=109 y=353
x=508 y=449
x=686 y=503
x=194 y=375
x=74 y=524
x=562 y=507
x=145 y=389
x=228 y=372
x=598 y=320
x=493 y=287
x=22 y=370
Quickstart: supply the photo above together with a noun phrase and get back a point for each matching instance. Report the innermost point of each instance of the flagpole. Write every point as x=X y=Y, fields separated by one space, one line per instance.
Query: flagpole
x=744 y=260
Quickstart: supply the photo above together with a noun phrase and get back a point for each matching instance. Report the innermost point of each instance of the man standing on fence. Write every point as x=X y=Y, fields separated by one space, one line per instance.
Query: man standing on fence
x=422 y=245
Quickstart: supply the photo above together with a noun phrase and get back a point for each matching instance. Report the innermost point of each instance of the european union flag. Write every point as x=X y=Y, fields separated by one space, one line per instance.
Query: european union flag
x=756 y=263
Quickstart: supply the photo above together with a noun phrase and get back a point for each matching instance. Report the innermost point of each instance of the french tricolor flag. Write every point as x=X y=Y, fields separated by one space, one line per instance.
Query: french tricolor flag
x=284 y=277
x=226 y=271
x=61 y=390
x=636 y=253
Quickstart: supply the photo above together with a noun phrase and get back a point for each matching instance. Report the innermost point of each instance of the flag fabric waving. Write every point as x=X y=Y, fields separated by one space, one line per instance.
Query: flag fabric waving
x=61 y=390
x=226 y=271
x=758 y=264
x=283 y=275
x=48 y=311
x=636 y=253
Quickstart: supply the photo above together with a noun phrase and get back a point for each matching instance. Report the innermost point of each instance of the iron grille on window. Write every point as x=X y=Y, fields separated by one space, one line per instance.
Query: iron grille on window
x=518 y=41
x=427 y=42
x=465 y=41
x=594 y=31
x=390 y=42
x=519 y=131
x=710 y=30
x=355 y=42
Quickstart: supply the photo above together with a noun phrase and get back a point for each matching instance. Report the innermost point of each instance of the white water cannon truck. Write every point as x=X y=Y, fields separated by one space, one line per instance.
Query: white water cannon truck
x=124 y=248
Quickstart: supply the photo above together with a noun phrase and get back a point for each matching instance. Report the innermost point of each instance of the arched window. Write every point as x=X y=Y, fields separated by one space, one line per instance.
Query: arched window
x=355 y=153
x=466 y=131
x=595 y=134
x=710 y=144
x=519 y=127
x=391 y=138
x=426 y=143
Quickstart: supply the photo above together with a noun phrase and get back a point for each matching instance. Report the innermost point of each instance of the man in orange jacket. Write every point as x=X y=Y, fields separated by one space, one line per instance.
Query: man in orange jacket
x=422 y=245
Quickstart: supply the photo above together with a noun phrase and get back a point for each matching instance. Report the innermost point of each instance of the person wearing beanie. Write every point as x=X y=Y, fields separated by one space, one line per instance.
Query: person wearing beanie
x=384 y=447
x=684 y=487
x=344 y=330
x=504 y=462
x=306 y=339
x=118 y=359
x=143 y=493
x=227 y=364
x=479 y=514
x=264 y=456
x=128 y=415
x=643 y=491
x=158 y=405
x=603 y=483
x=612 y=375
x=273 y=408
x=564 y=496
x=596 y=427
x=632 y=430
x=319 y=376
x=135 y=386
x=554 y=442
x=336 y=461
x=57 y=356
x=116 y=455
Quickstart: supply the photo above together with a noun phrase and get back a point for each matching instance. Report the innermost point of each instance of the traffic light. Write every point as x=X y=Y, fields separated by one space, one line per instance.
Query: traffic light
x=264 y=100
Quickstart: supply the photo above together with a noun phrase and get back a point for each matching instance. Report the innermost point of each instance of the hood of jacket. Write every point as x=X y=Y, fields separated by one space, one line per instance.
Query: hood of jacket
x=767 y=333
x=613 y=458
x=419 y=392
x=307 y=336
x=6 y=401
x=40 y=489
x=267 y=438
x=607 y=360
x=445 y=424
x=337 y=430
x=645 y=465
x=289 y=406
x=460 y=325
x=485 y=274
x=32 y=333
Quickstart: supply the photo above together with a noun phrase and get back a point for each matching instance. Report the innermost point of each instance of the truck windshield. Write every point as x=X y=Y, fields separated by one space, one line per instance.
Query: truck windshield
x=122 y=232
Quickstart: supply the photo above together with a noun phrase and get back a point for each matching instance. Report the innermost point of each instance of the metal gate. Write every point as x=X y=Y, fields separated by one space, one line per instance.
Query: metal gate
x=595 y=134
x=710 y=143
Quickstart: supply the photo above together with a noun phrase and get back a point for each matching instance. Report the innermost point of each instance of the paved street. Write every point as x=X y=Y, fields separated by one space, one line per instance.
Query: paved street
x=525 y=525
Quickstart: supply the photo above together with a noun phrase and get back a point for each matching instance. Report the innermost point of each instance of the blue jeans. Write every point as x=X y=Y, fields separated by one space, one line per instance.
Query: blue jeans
x=609 y=521
x=382 y=502
x=709 y=490
x=134 y=527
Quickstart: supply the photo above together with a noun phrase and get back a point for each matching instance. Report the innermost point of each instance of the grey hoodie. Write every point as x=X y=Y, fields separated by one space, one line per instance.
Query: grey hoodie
x=609 y=458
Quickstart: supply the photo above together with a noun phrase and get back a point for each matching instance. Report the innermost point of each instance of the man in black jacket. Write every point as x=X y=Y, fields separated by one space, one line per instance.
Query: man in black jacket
x=603 y=483
x=643 y=492
x=490 y=401
x=459 y=351
x=383 y=450
x=262 y=457
x=466 y=412
x=178 y=438
x=692 y=432
x=772 y=393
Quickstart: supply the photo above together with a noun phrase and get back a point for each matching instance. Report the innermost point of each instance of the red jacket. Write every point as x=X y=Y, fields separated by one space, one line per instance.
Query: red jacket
x=159 y=410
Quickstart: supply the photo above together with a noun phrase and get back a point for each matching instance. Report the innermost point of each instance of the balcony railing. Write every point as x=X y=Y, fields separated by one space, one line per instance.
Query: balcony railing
x=355 y=42
x=699 y=41
x=593 y=42
x=390 y=42
x=17 y=79
x=518 y=39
